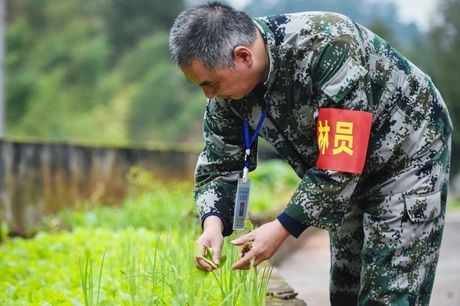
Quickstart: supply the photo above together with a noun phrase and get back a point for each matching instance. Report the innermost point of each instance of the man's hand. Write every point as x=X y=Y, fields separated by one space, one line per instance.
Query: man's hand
x=265 y=241
x=210 y=238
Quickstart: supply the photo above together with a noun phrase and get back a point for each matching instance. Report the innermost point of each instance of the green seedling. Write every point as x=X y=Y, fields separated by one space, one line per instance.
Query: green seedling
x=87 y=278
x=142 y=269
x=249 y=225
x=209 y=259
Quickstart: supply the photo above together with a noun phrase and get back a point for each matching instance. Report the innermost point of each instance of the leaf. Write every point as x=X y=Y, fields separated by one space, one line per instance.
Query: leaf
x=210 y=262
x=208 y=253
x=199 y=273
x=249 y=225
x=223 y=259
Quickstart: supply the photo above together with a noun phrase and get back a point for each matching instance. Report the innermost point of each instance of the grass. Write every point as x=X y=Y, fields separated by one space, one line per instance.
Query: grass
x=141 y=253
x=86 y=277
x=131 y=266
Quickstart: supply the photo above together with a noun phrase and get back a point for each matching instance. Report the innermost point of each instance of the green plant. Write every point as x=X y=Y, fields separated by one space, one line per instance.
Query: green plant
x=141 y=253
x=87 y=278
x=3 y=231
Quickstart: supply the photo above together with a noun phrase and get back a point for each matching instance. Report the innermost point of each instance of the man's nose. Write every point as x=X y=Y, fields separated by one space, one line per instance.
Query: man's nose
x=209 y=92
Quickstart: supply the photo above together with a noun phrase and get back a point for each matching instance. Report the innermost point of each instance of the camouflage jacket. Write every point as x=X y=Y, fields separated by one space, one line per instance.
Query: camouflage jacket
x=323 y=60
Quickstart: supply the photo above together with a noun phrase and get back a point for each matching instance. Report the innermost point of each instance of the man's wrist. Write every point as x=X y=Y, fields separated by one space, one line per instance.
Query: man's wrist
x=213 y=222
x=294 y=227
x=284 y=232
x=226 y=225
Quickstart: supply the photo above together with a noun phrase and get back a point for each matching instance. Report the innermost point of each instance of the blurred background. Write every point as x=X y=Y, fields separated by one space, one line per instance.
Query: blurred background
x=98 y=129
x=79 y=75
x=99 y=71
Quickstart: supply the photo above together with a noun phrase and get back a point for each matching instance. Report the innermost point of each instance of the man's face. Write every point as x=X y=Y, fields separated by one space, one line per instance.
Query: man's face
x=233 y=83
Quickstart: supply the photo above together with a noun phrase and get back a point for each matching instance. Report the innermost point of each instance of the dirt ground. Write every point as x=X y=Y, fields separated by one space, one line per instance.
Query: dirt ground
x=306 y=269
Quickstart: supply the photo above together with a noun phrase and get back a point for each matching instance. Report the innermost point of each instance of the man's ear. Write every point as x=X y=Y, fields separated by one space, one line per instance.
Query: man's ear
x=243 y=55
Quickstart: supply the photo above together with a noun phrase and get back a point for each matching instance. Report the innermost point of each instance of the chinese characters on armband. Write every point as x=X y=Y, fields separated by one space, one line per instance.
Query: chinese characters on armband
x=343 y=137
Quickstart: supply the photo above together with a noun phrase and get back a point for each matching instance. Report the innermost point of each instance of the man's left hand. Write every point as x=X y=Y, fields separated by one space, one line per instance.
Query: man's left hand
x=265 y=241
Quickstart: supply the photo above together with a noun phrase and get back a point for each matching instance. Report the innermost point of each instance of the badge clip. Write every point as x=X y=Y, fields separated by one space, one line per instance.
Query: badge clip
x=241 y=202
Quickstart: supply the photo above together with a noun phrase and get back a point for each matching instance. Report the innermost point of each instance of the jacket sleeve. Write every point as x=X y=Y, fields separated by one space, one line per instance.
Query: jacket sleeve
x=220 y=163
x=340 y=80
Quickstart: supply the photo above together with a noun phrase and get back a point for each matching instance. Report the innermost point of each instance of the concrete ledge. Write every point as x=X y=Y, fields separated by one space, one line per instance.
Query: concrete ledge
x=279 y=292
x=37 y=179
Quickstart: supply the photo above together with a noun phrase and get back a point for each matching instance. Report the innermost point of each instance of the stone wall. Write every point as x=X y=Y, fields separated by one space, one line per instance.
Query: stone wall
x=41 y=178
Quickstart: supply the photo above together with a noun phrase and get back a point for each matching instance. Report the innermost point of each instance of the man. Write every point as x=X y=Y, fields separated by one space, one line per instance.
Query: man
x=365 y=129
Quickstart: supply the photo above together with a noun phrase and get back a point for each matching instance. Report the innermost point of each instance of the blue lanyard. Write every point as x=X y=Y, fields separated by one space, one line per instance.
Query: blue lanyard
x=249 y=141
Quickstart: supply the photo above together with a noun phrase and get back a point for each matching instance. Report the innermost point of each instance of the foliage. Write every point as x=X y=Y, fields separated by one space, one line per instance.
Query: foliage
x=367 y=13
x=96 y=72
x=157 y=209
x=163 y=103
x=157 y=206
x=139 y=254
x=100 y=72
x=443 y=52
x=273 y=183
x=87 y=275
x=128 y=22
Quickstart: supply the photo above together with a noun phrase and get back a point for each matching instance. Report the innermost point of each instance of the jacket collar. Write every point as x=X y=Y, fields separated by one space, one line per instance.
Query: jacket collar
x=269 y=39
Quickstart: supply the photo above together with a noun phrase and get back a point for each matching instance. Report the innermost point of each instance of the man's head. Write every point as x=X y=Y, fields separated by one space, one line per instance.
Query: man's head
x=215 y=46
x=210 y=32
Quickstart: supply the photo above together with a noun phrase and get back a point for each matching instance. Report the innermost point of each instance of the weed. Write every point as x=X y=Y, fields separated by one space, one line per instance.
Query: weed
x=87 y=278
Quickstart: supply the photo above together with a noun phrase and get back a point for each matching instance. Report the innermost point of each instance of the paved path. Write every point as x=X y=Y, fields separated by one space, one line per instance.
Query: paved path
x=307 y=268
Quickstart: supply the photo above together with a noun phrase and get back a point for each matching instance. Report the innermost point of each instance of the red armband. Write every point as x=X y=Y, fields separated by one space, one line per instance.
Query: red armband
x=343 y=137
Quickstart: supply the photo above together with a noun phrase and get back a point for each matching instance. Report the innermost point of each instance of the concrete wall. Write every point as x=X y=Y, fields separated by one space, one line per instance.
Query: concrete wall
x=41 y=178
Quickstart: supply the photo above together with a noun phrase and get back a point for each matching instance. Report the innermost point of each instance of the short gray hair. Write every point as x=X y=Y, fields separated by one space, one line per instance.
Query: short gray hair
x=209 y=32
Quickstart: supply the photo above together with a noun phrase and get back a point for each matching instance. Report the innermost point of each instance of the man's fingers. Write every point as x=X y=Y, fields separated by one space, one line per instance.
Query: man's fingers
x=201 y=248
x=243 y=239
x=258 y=261
x=245 y=262
x=200 y=262
x=203 y=265
x=209 y=247
x=216 y=255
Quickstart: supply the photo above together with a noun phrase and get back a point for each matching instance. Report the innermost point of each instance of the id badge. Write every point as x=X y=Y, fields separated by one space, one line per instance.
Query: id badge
x=241 y=204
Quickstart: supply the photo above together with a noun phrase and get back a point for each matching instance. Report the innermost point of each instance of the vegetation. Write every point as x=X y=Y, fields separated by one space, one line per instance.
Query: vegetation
x=129 y=266
x=372 y=14
x=100 y=72
x=442 y=59
x=139 y=254
x=97 y=72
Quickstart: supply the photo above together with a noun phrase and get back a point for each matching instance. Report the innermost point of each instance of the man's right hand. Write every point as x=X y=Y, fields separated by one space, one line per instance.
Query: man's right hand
x=210 y=238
